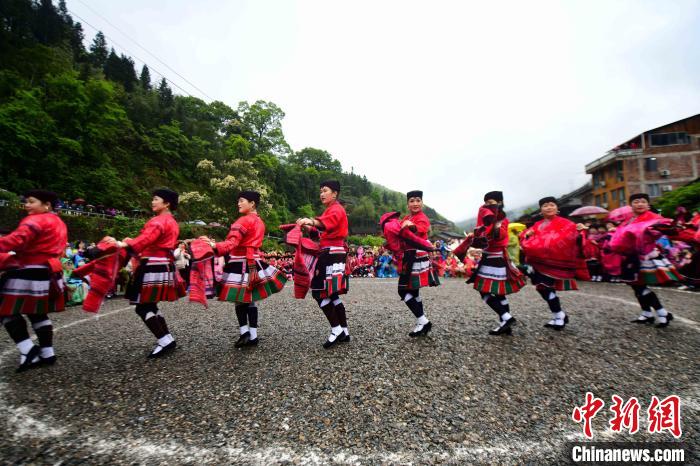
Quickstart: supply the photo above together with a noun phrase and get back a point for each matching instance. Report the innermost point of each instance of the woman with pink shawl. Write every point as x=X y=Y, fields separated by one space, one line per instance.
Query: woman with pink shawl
x=643 y=263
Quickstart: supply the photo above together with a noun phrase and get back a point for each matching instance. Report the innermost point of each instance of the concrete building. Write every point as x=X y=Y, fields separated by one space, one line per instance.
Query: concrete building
x=575 y=199
x=654 y=162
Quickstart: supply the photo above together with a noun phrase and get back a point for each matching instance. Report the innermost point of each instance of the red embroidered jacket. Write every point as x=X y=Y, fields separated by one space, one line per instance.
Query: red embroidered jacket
x=157 y=238
x=486 y=221
x=37 y=239
x=244 y=238
x=334 y=226
x=421 y=222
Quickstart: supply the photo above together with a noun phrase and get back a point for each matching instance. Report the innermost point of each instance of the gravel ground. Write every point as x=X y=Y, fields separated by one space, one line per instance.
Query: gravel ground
x=458 y=396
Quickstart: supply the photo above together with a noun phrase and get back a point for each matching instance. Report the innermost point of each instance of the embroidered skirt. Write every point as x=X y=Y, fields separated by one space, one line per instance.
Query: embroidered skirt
x=496 y=275
x=31 y=289
x=649 y=271
x=155 y=279
x=541 y=280
x=417 y=271
x=246 y=281
x=330 y=274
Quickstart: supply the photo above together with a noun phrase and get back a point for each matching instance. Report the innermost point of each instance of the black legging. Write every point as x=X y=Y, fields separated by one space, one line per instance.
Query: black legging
x=247 y=314
x=550 y=295
x=647 y=298
x=495 y=302
x=334 y=310
x=155 y=321
x=415 y=303
x=16 y=327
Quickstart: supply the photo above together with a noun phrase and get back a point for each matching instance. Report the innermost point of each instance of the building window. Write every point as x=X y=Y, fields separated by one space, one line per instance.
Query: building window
x=605 y=198
x=653 y=190
x=669 y=139
x=621 y=195
x=620 y=171
x=651 y=164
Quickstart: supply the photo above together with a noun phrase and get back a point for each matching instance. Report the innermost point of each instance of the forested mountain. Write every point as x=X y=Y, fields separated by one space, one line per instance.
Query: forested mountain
x=84 y=123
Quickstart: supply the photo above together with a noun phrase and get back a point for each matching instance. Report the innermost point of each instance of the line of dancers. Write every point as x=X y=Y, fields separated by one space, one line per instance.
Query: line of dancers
x=31 y=283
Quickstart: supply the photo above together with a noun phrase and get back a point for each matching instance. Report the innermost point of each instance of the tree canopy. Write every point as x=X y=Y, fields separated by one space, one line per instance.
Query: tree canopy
x=84 y=123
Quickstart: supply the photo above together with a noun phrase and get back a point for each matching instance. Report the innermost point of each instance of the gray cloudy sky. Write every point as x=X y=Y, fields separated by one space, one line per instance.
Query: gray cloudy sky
x=453 y=97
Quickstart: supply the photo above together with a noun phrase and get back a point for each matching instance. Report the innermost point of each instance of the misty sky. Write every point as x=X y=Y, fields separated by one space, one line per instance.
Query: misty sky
x=455 y=98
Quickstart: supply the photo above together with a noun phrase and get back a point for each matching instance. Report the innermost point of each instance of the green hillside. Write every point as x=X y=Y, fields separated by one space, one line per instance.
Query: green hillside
x=84 y=123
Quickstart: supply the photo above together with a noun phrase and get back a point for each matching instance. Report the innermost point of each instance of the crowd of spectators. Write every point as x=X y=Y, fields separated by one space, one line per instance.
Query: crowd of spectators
x=604 y=266
x=377 y=262
x=81 y=207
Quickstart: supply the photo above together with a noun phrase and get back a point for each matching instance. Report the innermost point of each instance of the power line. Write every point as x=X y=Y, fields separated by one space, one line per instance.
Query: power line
x=145 y=50
x=132 y=54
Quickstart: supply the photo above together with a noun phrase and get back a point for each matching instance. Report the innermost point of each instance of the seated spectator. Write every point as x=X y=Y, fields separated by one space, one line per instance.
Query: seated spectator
x=471 y=261
x=384 y=265
x=182 y=262
x=78 y=253
x=76 y=288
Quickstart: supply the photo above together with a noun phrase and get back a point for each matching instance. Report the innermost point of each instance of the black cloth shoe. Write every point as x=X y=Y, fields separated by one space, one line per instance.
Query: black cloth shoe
x=645 y=320
x=29 y=362
x=50 y=361
x=169 y=348
x=558 y=327
x=329 y=344
x=253 y=342
x=501 y=330
x=345 y=337
x=243 y=340
x=555 y=326
x=422 y=332
x=669 y=318
x=504 y=329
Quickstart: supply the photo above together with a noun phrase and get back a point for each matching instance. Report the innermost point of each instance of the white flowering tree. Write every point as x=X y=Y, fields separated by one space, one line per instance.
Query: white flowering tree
x=225 y=180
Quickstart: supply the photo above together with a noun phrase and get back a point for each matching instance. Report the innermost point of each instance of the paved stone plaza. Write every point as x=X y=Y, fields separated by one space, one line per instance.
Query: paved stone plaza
x=458 y=396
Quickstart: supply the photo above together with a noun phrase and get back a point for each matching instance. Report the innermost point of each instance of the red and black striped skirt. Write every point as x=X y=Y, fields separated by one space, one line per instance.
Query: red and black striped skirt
x=330 y=274
x=155 y=279
x=32 y=289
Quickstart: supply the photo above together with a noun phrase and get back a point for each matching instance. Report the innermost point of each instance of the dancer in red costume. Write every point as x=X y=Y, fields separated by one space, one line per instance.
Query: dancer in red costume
x=156 y=278
x=551 y=248
x=643 y=263
x=416 y=267
x=330 y=278
x=32 y=284
x=496 y=276
x=247 y=277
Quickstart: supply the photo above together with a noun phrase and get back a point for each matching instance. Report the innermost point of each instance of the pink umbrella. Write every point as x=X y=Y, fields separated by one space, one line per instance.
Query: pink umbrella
x=620 y=214
x=588 y=210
